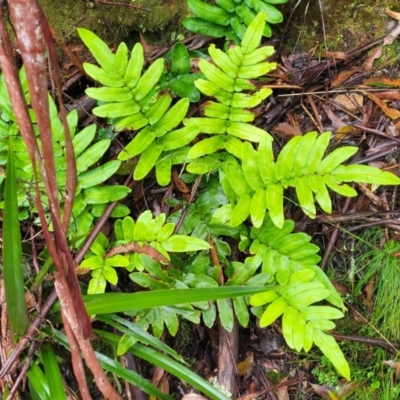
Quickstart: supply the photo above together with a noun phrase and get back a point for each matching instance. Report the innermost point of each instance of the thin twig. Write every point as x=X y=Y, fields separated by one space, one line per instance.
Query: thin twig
x=23 y=371
x=185 y=210
x=269 y=389
x=379 y=133
x=333 y=237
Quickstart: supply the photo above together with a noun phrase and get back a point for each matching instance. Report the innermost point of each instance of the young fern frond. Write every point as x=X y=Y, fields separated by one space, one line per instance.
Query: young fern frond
x=257 y=185
x=148 y=235
x=228 y=118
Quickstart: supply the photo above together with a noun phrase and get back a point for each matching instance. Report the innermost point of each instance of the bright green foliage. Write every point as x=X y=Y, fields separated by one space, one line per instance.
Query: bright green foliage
x=229 y=119
x=281 y=253
x=148 y=235
x=257 y=184
x=127 y=95
x=52 y=372
x=303 y=323
x=178 y=369
x=179 y=79
x=229 y=18
x=157 y=142
x=189 y=274
x=133 y=100
x=111 y=365
x=91 y=197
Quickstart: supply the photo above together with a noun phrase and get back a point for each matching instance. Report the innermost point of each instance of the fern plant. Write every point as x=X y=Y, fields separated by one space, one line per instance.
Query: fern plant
x=290 y=261
x=91 y=196
x=132 y=100
x=303 y=324
x=148 y=235
x=230 y=18
x=229 y=119
x=253 y=182
x=258 y=183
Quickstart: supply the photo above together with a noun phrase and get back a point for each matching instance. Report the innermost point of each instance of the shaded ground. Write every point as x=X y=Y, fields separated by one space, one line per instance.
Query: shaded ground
x=339 y=24
x=158 y=19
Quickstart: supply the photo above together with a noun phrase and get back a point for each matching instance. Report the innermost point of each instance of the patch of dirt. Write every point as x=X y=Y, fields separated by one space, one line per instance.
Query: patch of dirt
x=346 y=24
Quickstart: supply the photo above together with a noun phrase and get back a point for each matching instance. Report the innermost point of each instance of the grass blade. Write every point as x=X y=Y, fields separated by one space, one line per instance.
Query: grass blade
x=172 y=366
x=108 y=303
x=12 y=251
x=52 y=372
x=131 y=377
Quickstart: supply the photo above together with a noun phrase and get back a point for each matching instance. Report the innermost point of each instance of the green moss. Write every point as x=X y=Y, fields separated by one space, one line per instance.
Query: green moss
x=162 y=22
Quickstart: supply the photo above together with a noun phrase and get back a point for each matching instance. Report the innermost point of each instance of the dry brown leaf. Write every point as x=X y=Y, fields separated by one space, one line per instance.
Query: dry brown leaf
x=388 y=95
x=345 y=131
x=149 y=49
x=393 y=14
x=245 y=366
x=367 y=297
x=390 y=112
x=137 y=248
x=180 y=185
x=369 y=62
x=343 y=76
x=389 y=39
x=382 y=82
x=30 y=300
x=282 y=392
x=164 y=384
x=351 y=102
x=336 y=121
x=338 y=55
x=393 y=364
x=321 y=390
x=286 y=130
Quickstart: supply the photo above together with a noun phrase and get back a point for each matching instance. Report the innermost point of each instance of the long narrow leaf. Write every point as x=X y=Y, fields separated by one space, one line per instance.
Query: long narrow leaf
x=108 y=364
x=108 y=303
x=131 y=377
x=52 y=371
x=12 y=251
x=169 y=365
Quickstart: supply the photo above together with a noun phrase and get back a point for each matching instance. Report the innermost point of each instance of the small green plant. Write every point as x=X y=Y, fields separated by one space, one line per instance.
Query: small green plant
x=253 y=182
x=178 y=79
x=325 y=373
x=147 y=235
x=230 y=18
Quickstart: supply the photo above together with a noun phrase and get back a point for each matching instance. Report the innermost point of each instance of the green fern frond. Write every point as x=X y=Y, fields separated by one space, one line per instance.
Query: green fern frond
x=133 y=100
x=303 y=323
x=128 y=95
x=229 y=116
x=281 y=253
x=259 y=181
x=230 y=18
